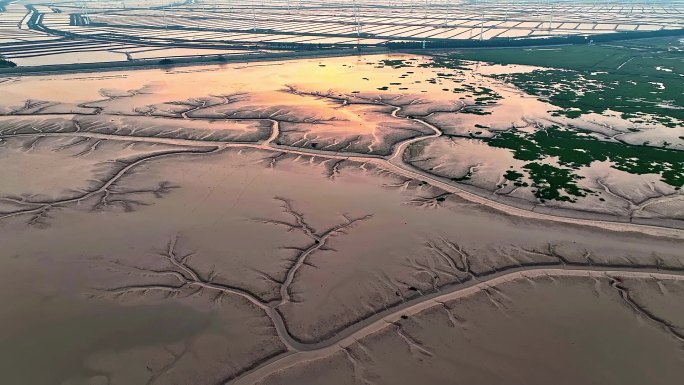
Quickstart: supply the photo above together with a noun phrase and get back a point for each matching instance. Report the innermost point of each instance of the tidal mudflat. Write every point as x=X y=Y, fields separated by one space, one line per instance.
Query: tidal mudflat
x=333 y=221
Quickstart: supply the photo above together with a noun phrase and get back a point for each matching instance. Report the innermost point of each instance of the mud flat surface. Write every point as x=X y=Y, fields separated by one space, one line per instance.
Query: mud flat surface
x=275 y=223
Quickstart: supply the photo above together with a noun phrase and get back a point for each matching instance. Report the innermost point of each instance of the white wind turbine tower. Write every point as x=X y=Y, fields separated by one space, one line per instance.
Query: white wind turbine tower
x=165 y=11
x=254 y=24
x=84 y=9
x=357 y=22
x=425 y=16
x=481 y=24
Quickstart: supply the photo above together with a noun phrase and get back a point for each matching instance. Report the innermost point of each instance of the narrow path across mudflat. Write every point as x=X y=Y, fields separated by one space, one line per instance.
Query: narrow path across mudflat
x=393 y=162
x=371 y=325
x=299 y=351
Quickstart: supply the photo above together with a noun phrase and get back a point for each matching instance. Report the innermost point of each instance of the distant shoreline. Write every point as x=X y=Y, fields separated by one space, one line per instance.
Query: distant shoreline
x=180 y=62
x=412 y=47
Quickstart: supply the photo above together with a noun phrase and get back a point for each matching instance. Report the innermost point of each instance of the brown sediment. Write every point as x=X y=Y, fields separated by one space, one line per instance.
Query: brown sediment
x=39 y=210
x=395 y=160
x=412 y=308
x=215 y=158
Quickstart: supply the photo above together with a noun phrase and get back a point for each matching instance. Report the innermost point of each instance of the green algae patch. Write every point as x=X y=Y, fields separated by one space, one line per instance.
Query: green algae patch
x=444 y=62
x=513 y=175
x=645 y=99
x=398 y=63
x=642 y=80
x=6 y=63
x=554 y=183
x=572 y=150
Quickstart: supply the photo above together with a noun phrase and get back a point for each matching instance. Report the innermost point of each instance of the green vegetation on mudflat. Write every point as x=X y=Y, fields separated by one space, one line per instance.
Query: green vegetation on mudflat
x=550 y=181
x=475 y=111
x=444 y=62
x=600 y=57
x=394 y=63
x=6 y=63
x=579 y=93
x=575 y=149
x=513 y=175
x=641 y=79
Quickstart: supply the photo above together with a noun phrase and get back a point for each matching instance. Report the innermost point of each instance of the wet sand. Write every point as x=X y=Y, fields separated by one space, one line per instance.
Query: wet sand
x=414 y=125
x=253 y=228
x=533 y=330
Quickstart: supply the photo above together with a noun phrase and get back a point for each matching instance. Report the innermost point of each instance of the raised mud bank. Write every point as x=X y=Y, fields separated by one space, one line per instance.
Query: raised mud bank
x=280 y=222
x=566 y=212
x=182 y=62
x=531 y=42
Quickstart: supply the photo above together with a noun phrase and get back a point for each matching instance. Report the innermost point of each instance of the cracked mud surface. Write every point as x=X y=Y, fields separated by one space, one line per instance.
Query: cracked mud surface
x=253 y=229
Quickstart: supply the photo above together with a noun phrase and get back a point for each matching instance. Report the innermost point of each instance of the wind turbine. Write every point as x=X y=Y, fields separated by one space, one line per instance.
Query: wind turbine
x=165 y=12
x=481 y=24
x=84 y=8
x=254 y=25
x=357 y=21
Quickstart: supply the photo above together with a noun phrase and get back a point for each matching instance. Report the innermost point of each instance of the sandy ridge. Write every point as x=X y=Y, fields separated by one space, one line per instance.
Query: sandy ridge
x=414 y=307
